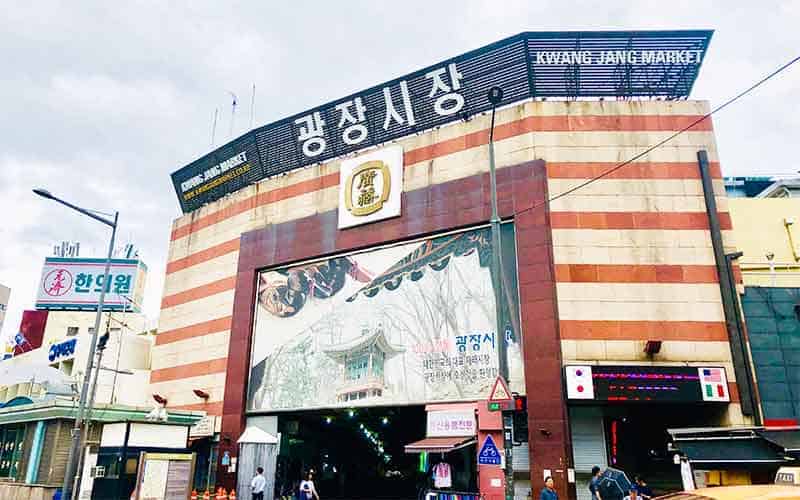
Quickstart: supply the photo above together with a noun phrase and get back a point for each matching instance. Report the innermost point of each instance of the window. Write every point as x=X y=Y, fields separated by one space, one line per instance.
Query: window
x=11 y=438
x=72 y=331
x=357 y=367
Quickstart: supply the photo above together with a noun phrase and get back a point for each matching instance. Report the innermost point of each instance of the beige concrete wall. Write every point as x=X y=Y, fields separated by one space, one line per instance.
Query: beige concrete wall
x=203 y=253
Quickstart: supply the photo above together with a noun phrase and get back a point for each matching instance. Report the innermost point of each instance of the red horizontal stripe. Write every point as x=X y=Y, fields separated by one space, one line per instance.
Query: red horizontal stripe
x=635 y=220
x=644 y=170
x=640 y=273
x=196 y=330
x=557 y=123
x=258 y=200
x=643 y=330
x=211 y=408
x=199 y=292
x=189 y=370
x=203 y=255
x=560 y=123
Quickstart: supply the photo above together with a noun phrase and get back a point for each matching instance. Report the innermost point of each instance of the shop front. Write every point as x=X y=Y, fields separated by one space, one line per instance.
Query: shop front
x=620 y=416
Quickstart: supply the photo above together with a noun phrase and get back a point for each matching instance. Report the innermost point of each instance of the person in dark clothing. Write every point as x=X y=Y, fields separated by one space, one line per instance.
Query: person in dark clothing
x=644 y=491
x=548 y=492
x=594 y=484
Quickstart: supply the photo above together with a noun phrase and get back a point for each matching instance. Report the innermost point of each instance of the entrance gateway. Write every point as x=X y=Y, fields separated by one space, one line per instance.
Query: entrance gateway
x=361 y=363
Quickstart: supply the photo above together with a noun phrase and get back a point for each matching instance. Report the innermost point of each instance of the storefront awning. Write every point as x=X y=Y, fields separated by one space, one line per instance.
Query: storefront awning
x=730 y=451
x=786 y=439
x=745 y=446
x=440 y=444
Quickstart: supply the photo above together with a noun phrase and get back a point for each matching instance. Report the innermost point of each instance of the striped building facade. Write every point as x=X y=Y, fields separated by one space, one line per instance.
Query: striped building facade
x=631 y=257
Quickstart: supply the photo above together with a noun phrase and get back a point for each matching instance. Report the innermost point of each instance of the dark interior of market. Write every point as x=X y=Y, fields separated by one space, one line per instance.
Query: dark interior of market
x=359 y=453
x=637 y=440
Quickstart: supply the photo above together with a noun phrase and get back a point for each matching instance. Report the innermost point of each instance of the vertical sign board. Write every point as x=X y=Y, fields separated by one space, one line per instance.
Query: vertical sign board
x=75 y=284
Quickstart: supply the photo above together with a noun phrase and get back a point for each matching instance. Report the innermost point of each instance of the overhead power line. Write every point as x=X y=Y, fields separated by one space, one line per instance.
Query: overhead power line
x=664 y=141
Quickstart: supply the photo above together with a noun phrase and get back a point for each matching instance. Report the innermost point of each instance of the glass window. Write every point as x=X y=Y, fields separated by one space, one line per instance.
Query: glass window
x=72 y=331
x=377 y=363
x=357 y=367
x=11 y=438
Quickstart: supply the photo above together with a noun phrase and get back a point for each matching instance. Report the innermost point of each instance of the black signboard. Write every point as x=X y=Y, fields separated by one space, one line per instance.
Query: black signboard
x=621 y=64
x=655 y=384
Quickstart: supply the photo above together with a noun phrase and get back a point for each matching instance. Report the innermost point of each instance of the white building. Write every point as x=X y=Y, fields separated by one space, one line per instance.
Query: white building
x=125 y=367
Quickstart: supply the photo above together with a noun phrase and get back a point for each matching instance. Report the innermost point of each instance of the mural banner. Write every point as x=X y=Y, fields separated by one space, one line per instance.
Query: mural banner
x=412 y=323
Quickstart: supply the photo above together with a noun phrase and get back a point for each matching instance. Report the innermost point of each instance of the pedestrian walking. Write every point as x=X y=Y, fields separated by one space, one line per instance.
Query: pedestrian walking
x=594 y=484
x=307 y=489
x=548 y=492
x=258 y=484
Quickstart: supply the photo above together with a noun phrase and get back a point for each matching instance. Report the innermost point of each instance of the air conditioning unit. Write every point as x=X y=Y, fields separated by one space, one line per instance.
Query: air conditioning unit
x=98 y=471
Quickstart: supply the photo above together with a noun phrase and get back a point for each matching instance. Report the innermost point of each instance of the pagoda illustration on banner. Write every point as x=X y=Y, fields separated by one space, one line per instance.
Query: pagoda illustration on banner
x=362 y=360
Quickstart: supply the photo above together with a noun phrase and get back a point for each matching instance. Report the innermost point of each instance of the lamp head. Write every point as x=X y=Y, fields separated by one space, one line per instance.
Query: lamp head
x=43 y=193
x=495 y=95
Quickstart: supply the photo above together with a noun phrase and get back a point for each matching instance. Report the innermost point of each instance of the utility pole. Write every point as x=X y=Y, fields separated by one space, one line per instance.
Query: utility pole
x=71 y=472
x=495 y=97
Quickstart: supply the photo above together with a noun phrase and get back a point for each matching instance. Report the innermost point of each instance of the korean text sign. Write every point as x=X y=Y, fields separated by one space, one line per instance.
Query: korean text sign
x=528 y=65
x=451 y=423
x=68 y=283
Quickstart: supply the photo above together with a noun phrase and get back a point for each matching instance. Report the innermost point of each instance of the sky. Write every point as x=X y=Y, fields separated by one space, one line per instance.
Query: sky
x=103 y=100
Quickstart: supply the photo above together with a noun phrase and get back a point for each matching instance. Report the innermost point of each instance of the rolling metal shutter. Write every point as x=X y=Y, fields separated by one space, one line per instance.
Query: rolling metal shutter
x=588 y=446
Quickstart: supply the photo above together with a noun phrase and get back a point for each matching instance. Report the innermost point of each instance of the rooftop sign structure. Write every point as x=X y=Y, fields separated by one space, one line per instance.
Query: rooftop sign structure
x=565 y=65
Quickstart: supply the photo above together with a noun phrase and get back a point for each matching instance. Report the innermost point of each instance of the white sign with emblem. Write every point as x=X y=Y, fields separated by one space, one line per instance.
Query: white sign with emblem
x=579 y=382
x=370 y=187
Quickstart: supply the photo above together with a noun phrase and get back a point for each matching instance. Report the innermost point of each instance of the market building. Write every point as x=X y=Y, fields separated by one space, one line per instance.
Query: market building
x=330 y=282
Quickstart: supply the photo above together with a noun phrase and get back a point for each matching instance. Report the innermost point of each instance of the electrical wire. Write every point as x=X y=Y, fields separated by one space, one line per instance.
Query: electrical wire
x=664 y=141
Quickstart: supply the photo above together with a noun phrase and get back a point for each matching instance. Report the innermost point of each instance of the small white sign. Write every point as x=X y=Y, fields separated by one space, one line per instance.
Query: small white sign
x=579 y=382
x=714 y=383
x=496 y=483
x=370 y=187
x=204 y=427
x=546 y=473
x=451 y=423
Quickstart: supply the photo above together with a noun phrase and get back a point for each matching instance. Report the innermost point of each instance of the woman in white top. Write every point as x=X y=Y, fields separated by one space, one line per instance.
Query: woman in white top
x=307 y=489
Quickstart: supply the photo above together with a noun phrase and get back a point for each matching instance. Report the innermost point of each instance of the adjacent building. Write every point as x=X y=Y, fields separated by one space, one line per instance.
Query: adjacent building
x=768 y=235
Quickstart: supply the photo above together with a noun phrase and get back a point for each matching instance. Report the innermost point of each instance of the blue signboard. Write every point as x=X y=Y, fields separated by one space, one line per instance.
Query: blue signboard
x=489 y=454
x=62 y=351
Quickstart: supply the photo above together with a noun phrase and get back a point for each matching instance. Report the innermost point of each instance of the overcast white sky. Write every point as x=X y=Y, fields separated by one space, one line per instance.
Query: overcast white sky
x=101 y=101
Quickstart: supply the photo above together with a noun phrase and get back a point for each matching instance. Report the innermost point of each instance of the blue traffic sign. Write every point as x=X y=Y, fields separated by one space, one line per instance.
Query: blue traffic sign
x=489 y=454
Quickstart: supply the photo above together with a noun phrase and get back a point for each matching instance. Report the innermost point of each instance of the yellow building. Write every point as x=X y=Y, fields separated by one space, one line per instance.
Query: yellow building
x=767 y=231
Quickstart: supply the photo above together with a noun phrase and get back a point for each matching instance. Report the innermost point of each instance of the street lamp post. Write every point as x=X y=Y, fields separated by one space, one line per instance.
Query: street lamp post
x=71 y=472
x=495 y=97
